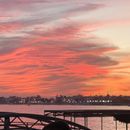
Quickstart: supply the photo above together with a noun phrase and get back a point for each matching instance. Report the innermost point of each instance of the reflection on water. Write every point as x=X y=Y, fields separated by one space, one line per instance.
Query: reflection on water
x=93 y=123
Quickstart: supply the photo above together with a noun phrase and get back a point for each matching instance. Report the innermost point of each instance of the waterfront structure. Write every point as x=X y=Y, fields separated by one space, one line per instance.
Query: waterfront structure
x=73 y=100
x=119 y=115
x=24 y=121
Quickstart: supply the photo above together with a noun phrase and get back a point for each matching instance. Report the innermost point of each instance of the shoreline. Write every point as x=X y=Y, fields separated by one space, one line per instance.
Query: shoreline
x=71 y=104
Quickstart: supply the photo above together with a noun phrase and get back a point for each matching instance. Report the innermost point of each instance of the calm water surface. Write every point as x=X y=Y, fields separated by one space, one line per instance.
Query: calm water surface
x=94 y=123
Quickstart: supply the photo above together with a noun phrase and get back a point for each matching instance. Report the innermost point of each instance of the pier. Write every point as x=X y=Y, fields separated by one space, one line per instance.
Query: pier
x=118 y=115
x=24 y=121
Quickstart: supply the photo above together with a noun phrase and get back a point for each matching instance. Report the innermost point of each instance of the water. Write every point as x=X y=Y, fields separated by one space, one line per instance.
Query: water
x=94 y=123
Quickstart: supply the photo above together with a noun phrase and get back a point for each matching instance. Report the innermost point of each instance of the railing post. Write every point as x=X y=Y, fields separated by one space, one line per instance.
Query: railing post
x=101 y=123
x=6 y=123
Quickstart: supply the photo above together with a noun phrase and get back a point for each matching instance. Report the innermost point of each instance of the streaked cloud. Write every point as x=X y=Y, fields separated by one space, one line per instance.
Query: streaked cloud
x=50 y=47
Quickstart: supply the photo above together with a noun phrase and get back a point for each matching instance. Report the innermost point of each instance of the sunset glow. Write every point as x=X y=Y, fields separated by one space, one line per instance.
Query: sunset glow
x=68 y=47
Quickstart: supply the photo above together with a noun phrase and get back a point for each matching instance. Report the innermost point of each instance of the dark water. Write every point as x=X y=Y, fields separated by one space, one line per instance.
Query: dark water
x=94 y=123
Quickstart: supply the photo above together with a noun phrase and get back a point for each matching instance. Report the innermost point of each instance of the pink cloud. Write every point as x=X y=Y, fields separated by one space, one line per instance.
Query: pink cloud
x=10 y=27
x=64 y=58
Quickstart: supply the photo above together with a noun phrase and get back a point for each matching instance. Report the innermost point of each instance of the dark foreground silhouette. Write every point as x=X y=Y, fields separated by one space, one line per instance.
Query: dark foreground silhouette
x=57 y=126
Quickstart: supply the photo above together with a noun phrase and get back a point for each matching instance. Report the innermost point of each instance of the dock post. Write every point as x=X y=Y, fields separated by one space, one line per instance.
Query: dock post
x=116 y=124
x=86 y=121
x=101 y=123
x=6 y=123
x=126 y=126
x=74 y=119
x=54 y=114
x=71 y=118
x=64 y=117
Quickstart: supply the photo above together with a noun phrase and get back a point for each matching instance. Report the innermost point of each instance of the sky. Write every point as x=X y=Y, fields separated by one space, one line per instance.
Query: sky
x=67 y=47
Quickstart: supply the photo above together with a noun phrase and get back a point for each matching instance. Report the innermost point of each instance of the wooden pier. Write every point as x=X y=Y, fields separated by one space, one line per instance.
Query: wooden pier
x=119 y=115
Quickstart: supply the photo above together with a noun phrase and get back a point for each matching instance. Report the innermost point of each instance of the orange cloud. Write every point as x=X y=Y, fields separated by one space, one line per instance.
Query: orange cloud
x=48 y=68
x=62 y=57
